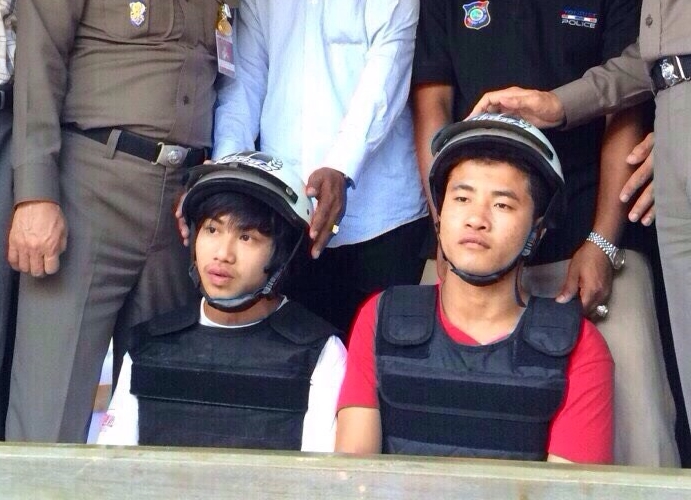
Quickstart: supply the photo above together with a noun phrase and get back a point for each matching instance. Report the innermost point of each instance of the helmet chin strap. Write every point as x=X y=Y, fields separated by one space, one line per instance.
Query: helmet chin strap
x=491 y=278
x=482 y=279
x=246 y=300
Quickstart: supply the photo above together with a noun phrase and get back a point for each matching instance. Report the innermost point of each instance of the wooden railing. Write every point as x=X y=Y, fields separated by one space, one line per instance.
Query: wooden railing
x=36 y=471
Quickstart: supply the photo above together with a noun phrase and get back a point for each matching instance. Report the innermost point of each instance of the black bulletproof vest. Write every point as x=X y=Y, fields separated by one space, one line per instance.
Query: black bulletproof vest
x=242 y=388
x=438 y=397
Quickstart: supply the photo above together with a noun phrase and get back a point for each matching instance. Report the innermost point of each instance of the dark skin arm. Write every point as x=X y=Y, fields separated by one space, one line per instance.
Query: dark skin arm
x=328 y=186
x=590 y=272
x=432 y=108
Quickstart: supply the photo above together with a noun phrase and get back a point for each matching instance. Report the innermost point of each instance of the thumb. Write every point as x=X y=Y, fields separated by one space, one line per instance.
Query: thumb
x=641 y=151
x=568 y=290
x=314 y=184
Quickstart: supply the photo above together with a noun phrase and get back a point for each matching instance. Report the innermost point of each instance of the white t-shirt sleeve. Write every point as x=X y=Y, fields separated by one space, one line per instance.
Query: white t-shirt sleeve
x=120 y=424
x=319 y=425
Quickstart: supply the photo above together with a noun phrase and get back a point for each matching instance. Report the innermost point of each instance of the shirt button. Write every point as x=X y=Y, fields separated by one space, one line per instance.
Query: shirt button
x=649 y=21
x=186 y=100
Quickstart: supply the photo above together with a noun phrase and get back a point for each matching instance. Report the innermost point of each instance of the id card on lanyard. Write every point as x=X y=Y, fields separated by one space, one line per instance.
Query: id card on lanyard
x=225 y=36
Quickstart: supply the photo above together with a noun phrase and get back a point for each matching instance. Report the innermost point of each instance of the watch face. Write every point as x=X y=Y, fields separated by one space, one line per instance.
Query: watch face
x=618 y=259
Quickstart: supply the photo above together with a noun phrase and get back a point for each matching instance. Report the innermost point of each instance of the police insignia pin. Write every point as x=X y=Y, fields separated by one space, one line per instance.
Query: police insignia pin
x=476 y=15
x=137 y=11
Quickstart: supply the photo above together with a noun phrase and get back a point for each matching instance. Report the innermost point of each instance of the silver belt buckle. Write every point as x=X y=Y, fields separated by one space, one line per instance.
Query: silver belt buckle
x=170 y=155
x=672 y=72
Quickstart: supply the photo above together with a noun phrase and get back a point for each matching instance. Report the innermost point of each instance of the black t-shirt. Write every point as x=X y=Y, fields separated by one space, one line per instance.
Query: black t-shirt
x=477 y=46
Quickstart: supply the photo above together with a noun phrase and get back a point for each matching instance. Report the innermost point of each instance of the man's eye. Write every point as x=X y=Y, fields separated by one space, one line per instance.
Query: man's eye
x=503 y=206
x=245 y=237
x=210 y=229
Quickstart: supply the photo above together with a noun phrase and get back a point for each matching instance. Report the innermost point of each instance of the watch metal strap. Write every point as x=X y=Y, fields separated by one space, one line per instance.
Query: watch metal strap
x=602 y=243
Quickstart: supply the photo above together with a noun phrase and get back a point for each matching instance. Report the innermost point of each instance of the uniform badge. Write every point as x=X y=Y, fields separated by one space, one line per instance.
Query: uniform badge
x=579 y=18
x=476 y=15
x=137 y=11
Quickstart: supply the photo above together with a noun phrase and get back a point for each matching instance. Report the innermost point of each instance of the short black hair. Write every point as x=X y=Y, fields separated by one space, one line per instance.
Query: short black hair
x=249 y=213
x=538 y=187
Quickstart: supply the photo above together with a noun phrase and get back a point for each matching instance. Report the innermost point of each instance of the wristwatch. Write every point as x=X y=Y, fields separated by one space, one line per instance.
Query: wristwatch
x=616 y=255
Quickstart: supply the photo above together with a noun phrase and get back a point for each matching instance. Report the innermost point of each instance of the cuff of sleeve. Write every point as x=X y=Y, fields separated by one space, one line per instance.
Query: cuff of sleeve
x=580 y=103
x=423 y=74
x=346 y=157
x=40 y=182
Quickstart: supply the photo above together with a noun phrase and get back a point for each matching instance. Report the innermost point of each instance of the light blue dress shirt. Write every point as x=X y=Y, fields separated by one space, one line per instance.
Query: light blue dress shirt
x=325 y=83
x=7 y=39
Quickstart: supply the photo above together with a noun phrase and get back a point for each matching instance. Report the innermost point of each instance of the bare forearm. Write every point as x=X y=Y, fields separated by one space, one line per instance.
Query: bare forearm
x=432 y=106
x=358 y=430
x=624 y=132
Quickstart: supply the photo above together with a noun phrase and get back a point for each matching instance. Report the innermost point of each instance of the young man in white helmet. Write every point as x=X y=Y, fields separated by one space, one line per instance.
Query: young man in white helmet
x=475 y=366
x=248 y=368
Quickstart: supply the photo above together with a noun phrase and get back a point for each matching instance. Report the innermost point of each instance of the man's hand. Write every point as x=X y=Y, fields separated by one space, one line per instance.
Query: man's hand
x=641 y=182
x=590 y=271
x=328 y=186
x=183 y=228
x=38 y=236
x=542 y=109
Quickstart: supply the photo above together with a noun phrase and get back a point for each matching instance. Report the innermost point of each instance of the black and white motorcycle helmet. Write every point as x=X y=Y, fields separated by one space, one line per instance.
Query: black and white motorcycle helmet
x=501 y=134
x=263 y=177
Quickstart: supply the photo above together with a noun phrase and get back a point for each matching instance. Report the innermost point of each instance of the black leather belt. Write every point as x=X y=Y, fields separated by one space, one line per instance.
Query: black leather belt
x=6 y=96
x=669 y=71
x=159 y=153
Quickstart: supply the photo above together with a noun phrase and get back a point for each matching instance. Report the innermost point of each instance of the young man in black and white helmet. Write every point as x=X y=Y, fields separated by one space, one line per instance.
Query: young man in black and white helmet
x=248 y=368
x=475 y=366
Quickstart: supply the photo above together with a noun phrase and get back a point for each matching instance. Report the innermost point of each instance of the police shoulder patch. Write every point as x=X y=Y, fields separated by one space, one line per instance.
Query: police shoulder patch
x=476 y=15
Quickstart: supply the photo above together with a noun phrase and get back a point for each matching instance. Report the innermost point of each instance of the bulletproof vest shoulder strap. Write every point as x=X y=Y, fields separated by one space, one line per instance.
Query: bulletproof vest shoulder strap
x=171 y=322
x=299 y=325
x=406 y=314
x=552 y=328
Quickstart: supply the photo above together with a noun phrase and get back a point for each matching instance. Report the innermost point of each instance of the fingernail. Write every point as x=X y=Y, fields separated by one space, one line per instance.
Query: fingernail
x=315 y=254
x=631 y=159
x=647 y=221
x=624 y=198
x=633 y=217
x=561 y=299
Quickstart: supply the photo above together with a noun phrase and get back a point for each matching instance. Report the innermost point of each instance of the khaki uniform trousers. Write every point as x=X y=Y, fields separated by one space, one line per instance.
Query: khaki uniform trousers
x=644 y=411
x=6 y=273
x=672 y=185
x=124 y=263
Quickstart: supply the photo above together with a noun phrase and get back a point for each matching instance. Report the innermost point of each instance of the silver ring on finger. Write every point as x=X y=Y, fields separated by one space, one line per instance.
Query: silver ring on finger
x=602 y=310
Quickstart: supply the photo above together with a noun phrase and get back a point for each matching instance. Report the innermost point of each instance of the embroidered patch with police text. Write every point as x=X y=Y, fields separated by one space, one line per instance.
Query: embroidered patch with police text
x=578 y=18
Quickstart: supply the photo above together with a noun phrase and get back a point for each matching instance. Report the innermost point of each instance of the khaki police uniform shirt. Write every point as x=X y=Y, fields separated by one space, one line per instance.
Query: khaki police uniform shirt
x=147 y=66
x=625 y=81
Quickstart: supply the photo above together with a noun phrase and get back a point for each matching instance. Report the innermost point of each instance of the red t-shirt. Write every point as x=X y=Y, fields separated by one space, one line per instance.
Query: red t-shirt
x=581 y=430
